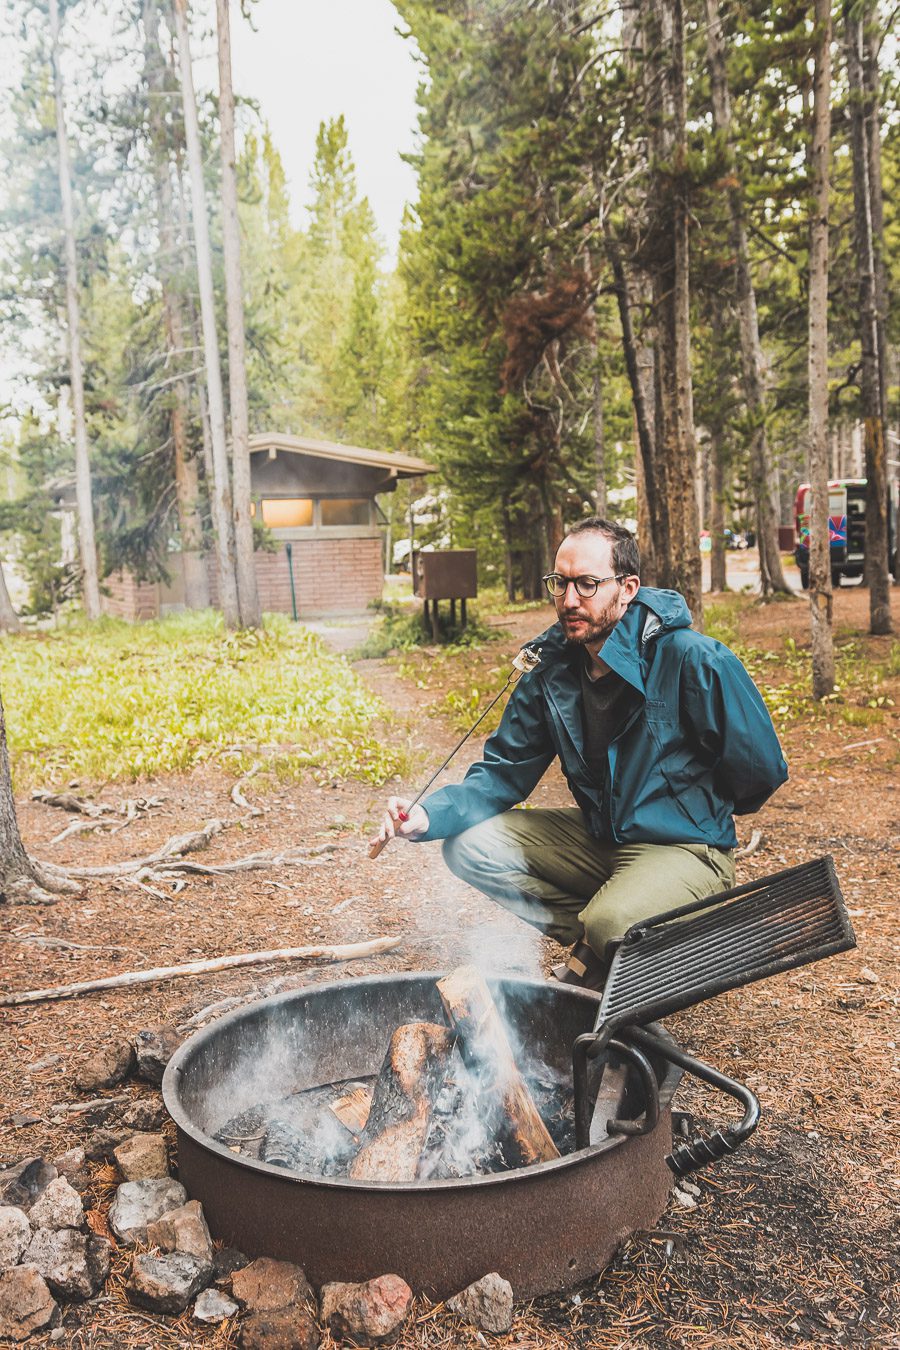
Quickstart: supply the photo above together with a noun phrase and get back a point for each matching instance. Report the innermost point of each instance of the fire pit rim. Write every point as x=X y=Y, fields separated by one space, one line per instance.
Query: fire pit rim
x=171 y=1093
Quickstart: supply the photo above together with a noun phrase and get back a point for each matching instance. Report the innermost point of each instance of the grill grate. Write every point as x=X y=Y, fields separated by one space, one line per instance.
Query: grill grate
x=727 y=940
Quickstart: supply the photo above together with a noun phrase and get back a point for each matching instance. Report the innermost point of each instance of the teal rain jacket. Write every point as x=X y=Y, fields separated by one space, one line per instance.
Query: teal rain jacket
x=699 y=747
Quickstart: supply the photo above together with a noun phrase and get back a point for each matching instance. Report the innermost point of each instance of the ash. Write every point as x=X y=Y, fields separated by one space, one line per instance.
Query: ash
x=303 y=1135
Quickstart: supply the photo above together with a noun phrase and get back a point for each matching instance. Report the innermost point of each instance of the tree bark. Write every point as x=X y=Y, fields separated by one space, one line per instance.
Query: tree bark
x=871 y=386
x=669 y=253
x=221 y=485
x=248 y=591
x=771 y=572
x=187 y=479
x=718 y=578
x=820 y=592
x=9 y=620
x=597 y=399
x=652 y=537
x=83 y=496
x=20 y=877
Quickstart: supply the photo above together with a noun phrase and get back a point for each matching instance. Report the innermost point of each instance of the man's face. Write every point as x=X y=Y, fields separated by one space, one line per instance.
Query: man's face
x=589 y=621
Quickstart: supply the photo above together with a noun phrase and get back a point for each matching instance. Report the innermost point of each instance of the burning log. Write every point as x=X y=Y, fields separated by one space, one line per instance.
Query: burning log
x=473 y=1014
x=402 y=1104
x=352 y=1109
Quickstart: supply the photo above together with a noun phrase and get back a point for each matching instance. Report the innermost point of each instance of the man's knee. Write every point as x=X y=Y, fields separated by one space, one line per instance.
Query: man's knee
x=452 y=852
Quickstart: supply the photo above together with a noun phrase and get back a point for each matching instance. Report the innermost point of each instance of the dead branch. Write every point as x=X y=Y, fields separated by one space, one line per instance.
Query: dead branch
x=67 y=801
x=61 y=945
x=175 y=847
x=78 y=827
x=749 y=849
x=237 y=795
x=350 y=952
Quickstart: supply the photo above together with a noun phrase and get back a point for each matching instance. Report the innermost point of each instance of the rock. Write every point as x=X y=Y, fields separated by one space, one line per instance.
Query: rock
x=138 y=1203
x=15 y=1235
x=684 y=1200
x=166 y=1284
x=183 y=1230
x=106 y=1067
x=371 y=1313
x=73 y=1166
x=154 y=1047
x=59 y=1206
x=22 y=1184
x=487 y=1304
x=147 y=1113
x=74 y=1266
x=142 y=1156
x=294 y=1330
x=225 y=1262
x=103 y=1143
x=214 y=1306
x=26 y=1304
x=270 y=1286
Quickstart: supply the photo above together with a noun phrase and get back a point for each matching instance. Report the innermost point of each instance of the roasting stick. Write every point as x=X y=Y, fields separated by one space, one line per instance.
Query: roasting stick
x=527 y=659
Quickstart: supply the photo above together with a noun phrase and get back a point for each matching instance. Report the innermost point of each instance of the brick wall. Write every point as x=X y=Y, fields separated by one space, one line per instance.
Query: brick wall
x=128 y=598
x=331 y=576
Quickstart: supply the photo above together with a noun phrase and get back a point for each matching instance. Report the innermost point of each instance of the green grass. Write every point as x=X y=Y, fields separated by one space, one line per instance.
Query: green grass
x=402 y=629
x=112 y=700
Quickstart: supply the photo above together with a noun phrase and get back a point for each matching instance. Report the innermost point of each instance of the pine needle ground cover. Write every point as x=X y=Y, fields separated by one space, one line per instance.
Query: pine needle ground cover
x=116 y=701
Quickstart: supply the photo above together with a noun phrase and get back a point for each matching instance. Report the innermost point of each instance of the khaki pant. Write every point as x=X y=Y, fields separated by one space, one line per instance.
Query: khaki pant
x=545 y=867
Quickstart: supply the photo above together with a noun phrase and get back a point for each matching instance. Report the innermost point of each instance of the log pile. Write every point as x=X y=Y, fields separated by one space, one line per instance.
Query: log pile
x=448 y=1100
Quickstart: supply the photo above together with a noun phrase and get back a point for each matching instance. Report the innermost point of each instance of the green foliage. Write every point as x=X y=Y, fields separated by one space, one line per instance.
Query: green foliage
x=116 y=701
x=402 y=629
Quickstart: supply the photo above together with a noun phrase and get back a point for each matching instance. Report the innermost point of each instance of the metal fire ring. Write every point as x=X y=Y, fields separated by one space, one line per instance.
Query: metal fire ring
x=544 y=1228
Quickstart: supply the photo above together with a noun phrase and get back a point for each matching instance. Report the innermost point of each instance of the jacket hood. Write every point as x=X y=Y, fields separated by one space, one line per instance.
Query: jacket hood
x=650 y=613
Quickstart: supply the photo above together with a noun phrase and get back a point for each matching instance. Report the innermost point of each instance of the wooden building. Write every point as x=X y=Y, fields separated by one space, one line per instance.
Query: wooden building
x=318 y=501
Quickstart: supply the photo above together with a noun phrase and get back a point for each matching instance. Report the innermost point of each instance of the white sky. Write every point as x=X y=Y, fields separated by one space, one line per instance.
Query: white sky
x=311 y=61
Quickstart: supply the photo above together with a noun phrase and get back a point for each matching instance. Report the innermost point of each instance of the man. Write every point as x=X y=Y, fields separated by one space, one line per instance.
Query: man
x=662 y=737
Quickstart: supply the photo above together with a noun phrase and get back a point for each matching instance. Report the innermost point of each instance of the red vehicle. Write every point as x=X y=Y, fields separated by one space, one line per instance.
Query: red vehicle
x=846 y=528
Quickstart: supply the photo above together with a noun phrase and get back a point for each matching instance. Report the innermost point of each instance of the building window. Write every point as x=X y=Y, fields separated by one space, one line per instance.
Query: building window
x=345 y=510
x=287 y=513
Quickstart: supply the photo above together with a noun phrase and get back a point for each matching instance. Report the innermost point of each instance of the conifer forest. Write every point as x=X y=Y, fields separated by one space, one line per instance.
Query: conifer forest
x=651 y=271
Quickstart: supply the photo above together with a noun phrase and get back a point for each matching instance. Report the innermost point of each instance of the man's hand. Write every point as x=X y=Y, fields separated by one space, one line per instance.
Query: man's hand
x=399 y=822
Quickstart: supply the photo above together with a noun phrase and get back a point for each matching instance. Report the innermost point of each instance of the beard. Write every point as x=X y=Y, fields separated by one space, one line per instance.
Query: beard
x=591 y=628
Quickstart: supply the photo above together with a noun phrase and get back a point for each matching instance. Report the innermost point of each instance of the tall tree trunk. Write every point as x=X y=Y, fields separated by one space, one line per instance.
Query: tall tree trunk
x=248 y=591
x=670 y=270
x=221 y=485
x=771 y=572
x=9 y=622
x=820 y=593
x=21 y=878
x=187 y=479
x=871 y=363
x=83 y=497
x=872 y=79
x=597 y=392
x=654 y=533
x=193 y=321
x=718 y=578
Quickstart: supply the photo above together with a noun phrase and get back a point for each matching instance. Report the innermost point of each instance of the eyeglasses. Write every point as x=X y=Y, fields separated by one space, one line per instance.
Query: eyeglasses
x=557 y=584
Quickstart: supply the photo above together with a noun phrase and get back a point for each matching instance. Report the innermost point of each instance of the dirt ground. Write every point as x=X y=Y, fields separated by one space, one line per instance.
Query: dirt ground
x=793 y=1241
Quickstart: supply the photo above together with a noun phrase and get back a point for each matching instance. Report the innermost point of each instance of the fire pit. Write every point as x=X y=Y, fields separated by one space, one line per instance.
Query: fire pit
x=543 y=1227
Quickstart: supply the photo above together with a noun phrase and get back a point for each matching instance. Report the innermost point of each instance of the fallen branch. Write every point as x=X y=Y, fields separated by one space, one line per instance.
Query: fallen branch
x=175 y=847
x=78 y=827
x=749 y=849
x=67 y=801
x=351 y=952
x=237 y=795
